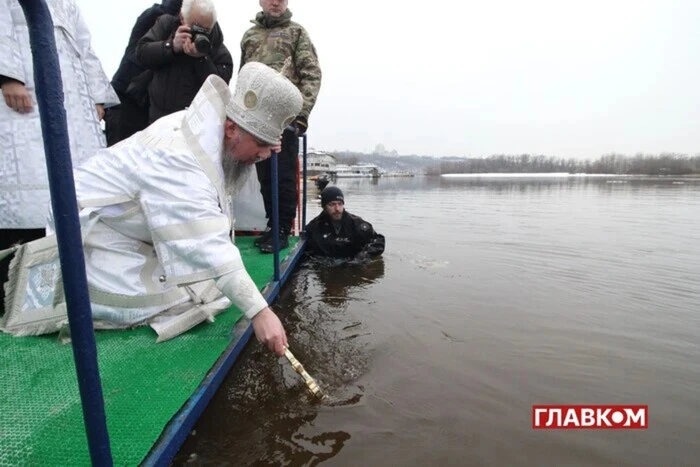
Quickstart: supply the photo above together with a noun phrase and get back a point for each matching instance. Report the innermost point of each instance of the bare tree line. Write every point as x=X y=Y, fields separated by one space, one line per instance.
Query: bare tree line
x=613 y=163
x=639 y=164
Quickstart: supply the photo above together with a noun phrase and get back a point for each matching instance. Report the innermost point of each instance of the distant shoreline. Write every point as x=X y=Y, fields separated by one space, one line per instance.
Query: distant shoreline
x=557 y=175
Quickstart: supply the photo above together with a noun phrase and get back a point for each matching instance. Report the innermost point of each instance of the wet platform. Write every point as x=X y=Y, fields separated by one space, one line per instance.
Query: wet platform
x=153 y=393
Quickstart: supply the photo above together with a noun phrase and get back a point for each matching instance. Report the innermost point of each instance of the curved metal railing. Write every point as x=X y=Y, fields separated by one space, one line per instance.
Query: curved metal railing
x=49 y=92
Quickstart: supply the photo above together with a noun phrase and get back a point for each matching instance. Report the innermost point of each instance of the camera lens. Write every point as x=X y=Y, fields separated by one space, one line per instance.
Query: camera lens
x=202 y=43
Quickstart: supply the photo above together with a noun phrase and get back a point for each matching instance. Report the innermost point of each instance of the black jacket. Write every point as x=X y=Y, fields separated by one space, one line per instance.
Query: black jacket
x=176 y=76
x=129 y=68
x=354 y=236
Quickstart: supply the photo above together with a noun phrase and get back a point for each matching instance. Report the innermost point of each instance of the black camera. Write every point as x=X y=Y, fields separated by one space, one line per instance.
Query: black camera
x=200 y=37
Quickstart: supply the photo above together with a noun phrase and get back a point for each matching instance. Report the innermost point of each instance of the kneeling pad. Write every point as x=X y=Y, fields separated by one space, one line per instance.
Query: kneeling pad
x=34 y=302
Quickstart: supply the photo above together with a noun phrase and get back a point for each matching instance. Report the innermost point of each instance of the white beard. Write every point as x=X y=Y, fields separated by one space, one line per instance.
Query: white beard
x=235 y=174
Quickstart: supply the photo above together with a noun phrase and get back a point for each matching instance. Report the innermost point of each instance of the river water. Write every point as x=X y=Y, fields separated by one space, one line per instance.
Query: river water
x=494 y=294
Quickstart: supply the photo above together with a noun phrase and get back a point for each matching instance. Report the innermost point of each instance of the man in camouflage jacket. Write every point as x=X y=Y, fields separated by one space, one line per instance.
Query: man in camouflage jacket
x=285 y=46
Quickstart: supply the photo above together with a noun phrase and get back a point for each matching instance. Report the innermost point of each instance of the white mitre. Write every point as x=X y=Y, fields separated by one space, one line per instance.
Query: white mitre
x=264 y=102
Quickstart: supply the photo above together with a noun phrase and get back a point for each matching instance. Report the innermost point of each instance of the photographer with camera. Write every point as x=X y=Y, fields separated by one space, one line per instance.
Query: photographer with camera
x=131 y=80
x=182 y=51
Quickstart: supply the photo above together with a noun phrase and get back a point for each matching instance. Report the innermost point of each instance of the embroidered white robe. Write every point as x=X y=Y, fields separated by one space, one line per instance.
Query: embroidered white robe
x=24 y=186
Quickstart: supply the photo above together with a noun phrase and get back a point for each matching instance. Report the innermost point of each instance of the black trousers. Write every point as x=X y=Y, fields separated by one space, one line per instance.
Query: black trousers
x=287 y=160
x=9 y=237
x=124 y=120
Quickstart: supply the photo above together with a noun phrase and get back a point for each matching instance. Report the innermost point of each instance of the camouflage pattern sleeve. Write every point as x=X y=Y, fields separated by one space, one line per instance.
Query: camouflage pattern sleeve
x=251 y=45
x=309 y=72
x=243 y=54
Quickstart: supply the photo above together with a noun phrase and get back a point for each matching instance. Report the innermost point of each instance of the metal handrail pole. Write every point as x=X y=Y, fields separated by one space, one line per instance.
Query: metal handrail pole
x=50 y=99
x=275 y=217
x=303 y=203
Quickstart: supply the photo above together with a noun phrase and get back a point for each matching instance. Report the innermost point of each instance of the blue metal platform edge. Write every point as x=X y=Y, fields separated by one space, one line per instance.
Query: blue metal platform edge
x=180 y=426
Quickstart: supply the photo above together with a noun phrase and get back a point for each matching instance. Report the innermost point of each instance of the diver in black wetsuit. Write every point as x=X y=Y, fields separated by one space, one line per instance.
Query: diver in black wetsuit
x=336 y=233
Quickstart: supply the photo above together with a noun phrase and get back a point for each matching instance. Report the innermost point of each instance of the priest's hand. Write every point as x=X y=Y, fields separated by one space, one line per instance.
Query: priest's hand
x=17 y=97
x=269 y=331
x=100 y=112
x=277 y=147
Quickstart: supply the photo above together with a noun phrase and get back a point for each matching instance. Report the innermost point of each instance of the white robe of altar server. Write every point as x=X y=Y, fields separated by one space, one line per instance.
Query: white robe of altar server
x=24 y=186
x=157 y=221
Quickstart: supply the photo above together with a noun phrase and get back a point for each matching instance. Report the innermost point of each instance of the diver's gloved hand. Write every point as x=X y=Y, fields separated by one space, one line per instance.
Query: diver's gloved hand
x=361 y=257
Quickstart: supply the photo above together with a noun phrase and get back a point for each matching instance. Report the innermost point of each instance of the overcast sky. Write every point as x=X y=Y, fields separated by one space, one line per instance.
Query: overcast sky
x=459 y=78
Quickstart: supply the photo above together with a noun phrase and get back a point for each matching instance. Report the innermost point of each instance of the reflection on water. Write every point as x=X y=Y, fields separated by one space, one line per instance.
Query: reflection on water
x=339 y=281
x=493 y=294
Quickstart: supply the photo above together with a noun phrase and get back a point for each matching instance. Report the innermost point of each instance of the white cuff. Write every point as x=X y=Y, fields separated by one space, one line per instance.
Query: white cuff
x=241 y=290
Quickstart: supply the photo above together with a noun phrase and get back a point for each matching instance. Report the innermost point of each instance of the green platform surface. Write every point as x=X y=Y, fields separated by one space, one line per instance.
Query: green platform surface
x=144 y=384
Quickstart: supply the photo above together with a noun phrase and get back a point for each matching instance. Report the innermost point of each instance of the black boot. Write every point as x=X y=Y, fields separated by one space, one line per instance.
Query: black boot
x=268 y=246
x=266 y=235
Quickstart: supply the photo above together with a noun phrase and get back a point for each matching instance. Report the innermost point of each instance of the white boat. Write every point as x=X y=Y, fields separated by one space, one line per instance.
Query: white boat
x=356 y=171
x=319 y=162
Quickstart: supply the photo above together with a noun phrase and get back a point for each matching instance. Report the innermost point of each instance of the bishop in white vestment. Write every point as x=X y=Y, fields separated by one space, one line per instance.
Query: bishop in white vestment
x=156 y=218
